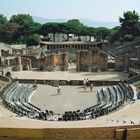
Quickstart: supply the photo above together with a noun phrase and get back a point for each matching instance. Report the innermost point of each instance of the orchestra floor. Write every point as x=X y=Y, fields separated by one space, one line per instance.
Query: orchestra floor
x=71 y=98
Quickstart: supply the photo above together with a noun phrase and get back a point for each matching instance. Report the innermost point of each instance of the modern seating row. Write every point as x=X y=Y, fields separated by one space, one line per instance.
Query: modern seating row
x=16 y=98
x=108 y=99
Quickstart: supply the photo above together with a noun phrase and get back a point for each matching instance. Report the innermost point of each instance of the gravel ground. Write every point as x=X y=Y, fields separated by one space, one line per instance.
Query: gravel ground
x=72 y=98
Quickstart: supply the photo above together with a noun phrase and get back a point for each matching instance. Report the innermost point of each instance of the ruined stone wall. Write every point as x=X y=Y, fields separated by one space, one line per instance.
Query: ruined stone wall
x=103 y=57
x=65 y=60
x=54 y=62
x=32 y=50
x=91 y=60
x=41 y=61
x=34 y=60
x=18 y=60
x=122 y=62
x=22 y=63
x=26 y=63
x=5 y=53
x=4 y=47
x=83 y=61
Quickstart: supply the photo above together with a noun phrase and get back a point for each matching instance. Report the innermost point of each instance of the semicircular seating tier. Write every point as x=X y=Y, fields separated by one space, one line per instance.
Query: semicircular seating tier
x=17 y=99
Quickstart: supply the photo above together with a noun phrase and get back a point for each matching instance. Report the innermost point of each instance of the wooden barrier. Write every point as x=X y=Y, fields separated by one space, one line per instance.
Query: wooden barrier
x=101 y=133
x=21 y=133
x=131 y=134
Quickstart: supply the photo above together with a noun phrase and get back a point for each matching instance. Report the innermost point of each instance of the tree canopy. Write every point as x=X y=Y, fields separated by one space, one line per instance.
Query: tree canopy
x=128 y=29
x=70 y=27
x=22 y=29
x=74 y=26
x=33 y=40
x=21 y=19
x=115 y=34
x=27 y=26
x=102 y=33
x=130 y=23
x=9 y=32
x=3 y=19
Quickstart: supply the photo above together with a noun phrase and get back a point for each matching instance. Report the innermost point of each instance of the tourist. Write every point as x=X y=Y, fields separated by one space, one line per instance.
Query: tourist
x=87 y=82
x=84 y=84
x=35 y=85
x=85 y=87
x=58 y=90
x=91 y=86
x=84 y=81
x=2 y=72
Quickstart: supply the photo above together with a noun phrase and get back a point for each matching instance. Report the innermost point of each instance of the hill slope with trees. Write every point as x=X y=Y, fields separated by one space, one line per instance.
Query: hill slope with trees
x=21 y=28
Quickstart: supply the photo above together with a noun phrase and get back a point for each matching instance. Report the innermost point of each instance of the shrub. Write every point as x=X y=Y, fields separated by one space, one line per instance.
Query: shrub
x=33 y=40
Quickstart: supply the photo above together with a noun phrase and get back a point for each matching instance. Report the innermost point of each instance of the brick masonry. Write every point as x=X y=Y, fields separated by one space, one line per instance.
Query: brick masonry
x=92 y=60
x=54 y=62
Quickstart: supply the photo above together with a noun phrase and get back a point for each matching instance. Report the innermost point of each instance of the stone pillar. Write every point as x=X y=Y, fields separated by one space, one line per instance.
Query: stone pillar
x=30 y=64
x=53 y=61
x=98 y=59
x=90 y=61
x=18 y=62
x=77 y=61
x=65 y=59
x=8 y=62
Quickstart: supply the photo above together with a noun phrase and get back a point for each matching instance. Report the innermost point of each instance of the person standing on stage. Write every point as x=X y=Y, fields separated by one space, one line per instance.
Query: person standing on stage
x=91 y=86
x=58 y=90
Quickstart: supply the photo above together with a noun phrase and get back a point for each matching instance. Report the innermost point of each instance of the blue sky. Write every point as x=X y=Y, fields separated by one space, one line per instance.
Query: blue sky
x=97 y=10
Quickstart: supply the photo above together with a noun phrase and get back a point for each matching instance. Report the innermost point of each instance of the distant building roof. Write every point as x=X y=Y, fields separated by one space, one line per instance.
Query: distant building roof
x=69 y=42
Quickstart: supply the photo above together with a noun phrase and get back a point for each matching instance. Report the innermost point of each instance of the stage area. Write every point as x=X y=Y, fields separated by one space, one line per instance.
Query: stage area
x=72 y=98
x=70 y=75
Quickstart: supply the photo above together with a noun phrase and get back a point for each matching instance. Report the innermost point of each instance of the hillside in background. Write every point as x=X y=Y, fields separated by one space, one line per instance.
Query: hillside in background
x=85 y=21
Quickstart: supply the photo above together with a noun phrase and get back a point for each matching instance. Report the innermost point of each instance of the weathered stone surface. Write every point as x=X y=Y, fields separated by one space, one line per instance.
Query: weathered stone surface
x=121 y=62
x=92 y=60
x=23 y=63
x=54 y=62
